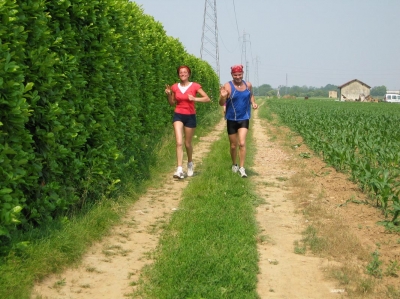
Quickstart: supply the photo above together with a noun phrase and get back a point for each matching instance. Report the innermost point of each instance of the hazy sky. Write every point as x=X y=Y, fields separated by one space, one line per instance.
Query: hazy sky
x=294 y=42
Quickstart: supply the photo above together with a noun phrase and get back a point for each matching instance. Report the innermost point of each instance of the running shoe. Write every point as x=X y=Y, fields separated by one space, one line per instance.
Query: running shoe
x=235 y=168
x=190 y=168
x=179 y=174
x=242 y=172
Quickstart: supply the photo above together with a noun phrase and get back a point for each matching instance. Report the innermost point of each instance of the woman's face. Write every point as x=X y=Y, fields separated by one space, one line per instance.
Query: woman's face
x=184 y=74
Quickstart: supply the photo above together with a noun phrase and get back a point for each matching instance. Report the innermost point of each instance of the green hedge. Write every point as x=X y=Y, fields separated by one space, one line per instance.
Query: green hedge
x=82 y=102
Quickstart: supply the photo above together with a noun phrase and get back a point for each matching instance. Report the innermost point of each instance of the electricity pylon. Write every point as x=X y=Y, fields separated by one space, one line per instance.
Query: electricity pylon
x=209 y=40
x=244 y=54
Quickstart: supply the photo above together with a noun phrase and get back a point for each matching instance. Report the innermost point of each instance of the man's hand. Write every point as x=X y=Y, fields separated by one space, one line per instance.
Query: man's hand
x=223 y=92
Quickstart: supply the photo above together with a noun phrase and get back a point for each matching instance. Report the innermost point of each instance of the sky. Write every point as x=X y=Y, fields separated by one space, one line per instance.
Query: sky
x=292 y=42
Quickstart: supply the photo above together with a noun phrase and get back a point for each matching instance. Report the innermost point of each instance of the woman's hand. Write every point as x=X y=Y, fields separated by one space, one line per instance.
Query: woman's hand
x=170 y=97
x=192 y=98
x=168 y=89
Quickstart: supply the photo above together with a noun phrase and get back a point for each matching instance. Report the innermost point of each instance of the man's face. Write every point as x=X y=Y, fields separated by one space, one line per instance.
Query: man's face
x=237 y=77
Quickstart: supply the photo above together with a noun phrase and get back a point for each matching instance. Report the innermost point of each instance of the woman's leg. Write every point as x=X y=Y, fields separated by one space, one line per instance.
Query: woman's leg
x=178 y=129
x=189 y=133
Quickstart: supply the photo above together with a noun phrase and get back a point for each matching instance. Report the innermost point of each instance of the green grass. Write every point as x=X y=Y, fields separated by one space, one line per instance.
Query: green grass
x=53 y=248
x=38 y=253
x=209 y=249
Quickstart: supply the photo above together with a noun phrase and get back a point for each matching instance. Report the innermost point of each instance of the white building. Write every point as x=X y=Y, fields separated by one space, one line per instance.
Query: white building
x=354 y=90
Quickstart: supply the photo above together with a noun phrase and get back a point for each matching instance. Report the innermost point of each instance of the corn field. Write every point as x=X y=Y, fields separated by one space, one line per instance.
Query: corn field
x=360 y=139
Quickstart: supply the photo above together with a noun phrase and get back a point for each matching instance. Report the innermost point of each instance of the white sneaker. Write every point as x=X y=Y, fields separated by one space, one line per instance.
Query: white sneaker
x=235 y=168
x=242 y=172
x=179 y=174
x=190 y=169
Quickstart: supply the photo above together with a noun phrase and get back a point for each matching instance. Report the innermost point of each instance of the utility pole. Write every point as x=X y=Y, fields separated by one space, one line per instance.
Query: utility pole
x=244 y=54
x=209 y=40
x=278 y=95
x=286 y=85
x=256 y=77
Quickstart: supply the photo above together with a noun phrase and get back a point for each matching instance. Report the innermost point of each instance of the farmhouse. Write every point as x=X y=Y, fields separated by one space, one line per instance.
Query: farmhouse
x=354 y=90
x=333 y=94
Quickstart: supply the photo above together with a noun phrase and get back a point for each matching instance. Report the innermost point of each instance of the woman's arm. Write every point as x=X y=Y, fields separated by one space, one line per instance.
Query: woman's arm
x=203 y=99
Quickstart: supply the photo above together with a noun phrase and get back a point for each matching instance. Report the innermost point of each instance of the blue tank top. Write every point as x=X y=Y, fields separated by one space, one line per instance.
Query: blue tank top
x=238 y=106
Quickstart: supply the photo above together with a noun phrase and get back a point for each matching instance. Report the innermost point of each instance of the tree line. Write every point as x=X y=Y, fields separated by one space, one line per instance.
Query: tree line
x=308 y=91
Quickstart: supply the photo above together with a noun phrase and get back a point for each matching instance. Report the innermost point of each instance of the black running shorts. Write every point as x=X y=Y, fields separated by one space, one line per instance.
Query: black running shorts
x=188 y=120
x=233 y=126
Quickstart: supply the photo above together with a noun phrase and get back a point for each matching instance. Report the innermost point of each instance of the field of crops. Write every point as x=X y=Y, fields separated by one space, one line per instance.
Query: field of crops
x=361 y=139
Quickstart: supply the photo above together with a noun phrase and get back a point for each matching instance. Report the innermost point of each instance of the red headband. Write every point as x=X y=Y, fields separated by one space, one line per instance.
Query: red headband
x=238 y=68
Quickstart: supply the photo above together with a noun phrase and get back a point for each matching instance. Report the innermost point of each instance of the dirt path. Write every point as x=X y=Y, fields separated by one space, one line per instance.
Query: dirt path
x=109 y=267
x=283 y=273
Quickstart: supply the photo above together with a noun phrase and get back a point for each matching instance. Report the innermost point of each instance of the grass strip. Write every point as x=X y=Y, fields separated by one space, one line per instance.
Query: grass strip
x=208 y=250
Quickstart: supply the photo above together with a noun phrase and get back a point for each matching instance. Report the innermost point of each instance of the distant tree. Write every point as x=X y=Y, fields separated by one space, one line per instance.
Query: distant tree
x=262 y=90
x=309 y=91
x=272 y=93
x=296 y=91
x=378 y=91
x=330 y=87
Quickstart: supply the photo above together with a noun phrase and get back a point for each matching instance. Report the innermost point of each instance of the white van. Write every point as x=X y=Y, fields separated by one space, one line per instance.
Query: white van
x=392 y=98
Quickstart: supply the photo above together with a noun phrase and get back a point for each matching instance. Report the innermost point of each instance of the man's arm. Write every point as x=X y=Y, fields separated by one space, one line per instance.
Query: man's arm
x=224 y=93
x=252 y=99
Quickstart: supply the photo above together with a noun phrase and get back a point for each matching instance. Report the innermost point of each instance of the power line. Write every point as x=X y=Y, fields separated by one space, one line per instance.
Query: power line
x=226 y=48
x=237 y=27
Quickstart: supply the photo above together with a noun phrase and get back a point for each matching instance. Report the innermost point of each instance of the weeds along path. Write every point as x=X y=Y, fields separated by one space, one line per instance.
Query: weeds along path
x=110 y=267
